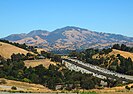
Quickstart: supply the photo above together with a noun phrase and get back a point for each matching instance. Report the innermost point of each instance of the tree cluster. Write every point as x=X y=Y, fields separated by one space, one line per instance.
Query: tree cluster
x=126 y=65
x=53 y=57
x=122 y=47
x=15 y=69
x=119 y=63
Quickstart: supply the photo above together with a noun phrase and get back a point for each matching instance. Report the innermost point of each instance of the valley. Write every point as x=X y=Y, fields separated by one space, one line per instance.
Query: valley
x=87 y=69
x=66 y=47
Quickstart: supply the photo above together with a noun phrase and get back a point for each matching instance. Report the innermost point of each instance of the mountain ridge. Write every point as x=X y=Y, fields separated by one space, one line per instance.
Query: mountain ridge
x=69 y=37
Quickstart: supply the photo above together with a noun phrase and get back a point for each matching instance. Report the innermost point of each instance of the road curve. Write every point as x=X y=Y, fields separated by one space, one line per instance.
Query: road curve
x=97 y=71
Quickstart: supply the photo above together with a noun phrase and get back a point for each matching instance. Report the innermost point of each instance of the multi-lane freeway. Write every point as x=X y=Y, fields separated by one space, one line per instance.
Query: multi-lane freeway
x=74 y=64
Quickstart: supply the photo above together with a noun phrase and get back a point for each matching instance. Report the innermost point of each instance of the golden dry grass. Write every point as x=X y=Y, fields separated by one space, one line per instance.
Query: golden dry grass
x=29 y=87
x=23 y=86
x=126 y=92
x=6 y=50
x=112 y=59
x=114 y=90
x=33 y=63
x=122 y=53
x=40 y=49
x=115 y=52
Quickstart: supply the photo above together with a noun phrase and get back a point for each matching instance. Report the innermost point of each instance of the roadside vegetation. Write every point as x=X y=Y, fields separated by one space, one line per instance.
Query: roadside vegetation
x=15 y=69
x=116 y=63
x=51 y=77
x=58 y=76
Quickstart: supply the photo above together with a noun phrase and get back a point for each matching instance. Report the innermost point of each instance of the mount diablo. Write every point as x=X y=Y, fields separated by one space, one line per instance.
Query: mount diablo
x=69 y=38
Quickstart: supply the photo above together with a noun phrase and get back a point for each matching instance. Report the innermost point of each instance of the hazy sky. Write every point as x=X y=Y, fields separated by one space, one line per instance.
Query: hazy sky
x=23 y=16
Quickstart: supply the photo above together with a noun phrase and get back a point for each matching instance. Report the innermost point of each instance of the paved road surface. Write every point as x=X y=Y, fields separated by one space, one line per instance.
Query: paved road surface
x=99 y=72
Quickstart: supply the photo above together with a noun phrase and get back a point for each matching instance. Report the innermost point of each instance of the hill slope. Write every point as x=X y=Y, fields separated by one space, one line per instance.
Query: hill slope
x=113 y=61
x=122 y=53
x=6 y=50
x=69 y=37
x=34 y=63
x=22 y=86
x=116 y=52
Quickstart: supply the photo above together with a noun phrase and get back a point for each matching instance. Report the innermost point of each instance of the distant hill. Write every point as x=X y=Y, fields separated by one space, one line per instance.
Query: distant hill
x=70 y=38
x=6 y=50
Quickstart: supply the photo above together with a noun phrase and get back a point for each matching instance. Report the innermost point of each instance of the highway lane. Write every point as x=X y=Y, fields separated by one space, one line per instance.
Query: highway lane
x=95 y=70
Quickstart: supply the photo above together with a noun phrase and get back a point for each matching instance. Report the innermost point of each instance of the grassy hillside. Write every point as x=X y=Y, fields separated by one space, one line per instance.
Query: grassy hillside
x=40 y=49
x=22 y=86
x=30 y=87
x=122 y=53
x=112 y=56
x=6 y=50
x=34 y=63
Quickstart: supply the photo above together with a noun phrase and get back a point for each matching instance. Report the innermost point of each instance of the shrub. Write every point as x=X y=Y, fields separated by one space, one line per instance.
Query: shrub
x=14 y=88
x=3 y=82
x=127 y=87
x=26 y=80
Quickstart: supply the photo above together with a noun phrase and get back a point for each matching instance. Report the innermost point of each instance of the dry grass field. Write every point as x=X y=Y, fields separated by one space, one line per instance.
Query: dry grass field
x=33 y=63
x=29 y=87
x=22 y=86
x=122 y=53
x=115 y=52
x=6 y=50
x=40 y=49
x=114 y=90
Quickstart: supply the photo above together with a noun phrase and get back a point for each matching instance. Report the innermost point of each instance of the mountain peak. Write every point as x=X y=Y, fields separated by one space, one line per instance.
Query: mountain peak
x=37 y=32
x=73 y=27
x=70 y=37
x=59 y=29
x=67 y=28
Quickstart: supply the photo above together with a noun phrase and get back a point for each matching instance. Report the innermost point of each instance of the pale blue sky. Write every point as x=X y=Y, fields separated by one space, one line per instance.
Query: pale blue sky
x=23 y=16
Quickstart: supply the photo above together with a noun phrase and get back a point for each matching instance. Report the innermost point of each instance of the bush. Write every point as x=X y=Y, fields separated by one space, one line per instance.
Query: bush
x=132 y=86
x=127 y=87
x=2 y=82
x=26 y=80
x=14 y=88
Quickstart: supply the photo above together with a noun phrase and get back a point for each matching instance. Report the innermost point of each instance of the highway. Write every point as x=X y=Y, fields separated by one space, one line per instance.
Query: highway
x=74 y=64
